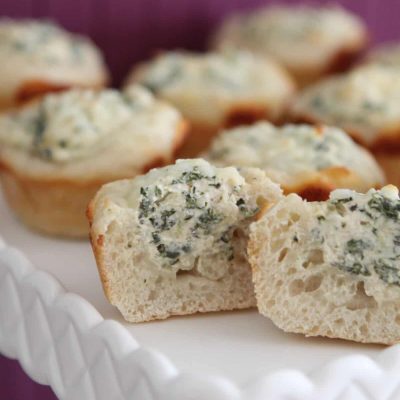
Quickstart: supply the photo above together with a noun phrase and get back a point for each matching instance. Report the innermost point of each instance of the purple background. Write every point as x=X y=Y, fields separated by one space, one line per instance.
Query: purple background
x=130 y=30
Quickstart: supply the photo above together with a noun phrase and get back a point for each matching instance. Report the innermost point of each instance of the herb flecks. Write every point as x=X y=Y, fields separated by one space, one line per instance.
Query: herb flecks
x=156 y=83
x=179 y=215
x=339 y=205
x=355 y=268
x=165 y=221
x=206 y=220
x=145 y=204
x=384 y=206
x=353 y=259
x=245 y=210
x=192 y=176
x=317 y=103
x=387 y=273
x=344 y=200
x=371 y=225
x=38 y=129
x=356 y=247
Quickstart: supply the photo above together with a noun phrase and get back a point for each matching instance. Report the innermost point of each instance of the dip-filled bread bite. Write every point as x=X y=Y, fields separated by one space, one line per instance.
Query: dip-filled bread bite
x=331 y=268
x=217 y=90
x=366 y=104
x=309 y=41
x=173 y=241
x=308 y=160
x=55 y=153
x=37 y=57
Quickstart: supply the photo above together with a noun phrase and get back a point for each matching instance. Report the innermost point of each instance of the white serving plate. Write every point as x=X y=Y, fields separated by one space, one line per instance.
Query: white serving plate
x=60 y=339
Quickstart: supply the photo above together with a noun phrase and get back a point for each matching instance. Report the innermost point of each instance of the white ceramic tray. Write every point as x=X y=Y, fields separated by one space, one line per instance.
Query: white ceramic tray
x=55 y=320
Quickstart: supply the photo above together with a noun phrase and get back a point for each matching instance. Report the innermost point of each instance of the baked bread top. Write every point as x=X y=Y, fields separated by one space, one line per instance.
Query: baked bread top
x=365 y=102
x=42 y=51
x=87 y=134
x=302 y=38
x=331 y=268
x=206 y=87
x=297 y=155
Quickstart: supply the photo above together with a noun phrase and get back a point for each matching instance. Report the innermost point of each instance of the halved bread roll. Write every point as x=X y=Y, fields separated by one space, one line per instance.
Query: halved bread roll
x=173 y=241
x=331 y=268
x=38 y=57
x=57 y=152
x=308 y=160
x=214 y=90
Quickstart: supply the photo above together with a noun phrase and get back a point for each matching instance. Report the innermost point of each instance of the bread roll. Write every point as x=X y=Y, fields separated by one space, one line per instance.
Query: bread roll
x=56 y=153
x=217 y=90
x=308 y=160
x=366 y=104
x=331 y=268
x=173 y=241
x=309 y=41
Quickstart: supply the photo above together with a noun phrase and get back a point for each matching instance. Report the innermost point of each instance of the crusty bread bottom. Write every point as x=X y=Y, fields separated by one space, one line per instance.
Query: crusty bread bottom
x=33 y=89
x=339 y=62
x=390 y=163
x=329 y=179
x=202 y=133
x=300 y=293
x=198 y=139
x=56 y=208
x=161 y=292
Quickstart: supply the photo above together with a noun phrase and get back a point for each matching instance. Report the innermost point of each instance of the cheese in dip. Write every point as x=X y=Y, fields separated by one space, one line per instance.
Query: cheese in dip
x=360 y=234
x=94 y=130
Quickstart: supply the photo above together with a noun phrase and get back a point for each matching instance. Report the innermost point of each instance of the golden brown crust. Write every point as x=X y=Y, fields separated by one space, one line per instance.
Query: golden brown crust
x=36 y=88
x=319 y=188
x=387 y=142
x=341 y=61
x=55 y=208
x=181 y=136
x=198 y=139
x=390 y=163
x=347 y=57
x=245 y=114
x=97 y=243
x=314 y=191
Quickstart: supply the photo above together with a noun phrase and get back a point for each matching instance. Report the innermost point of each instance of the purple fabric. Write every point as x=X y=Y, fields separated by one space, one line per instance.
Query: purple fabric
x=15 y=385
x=130 y=30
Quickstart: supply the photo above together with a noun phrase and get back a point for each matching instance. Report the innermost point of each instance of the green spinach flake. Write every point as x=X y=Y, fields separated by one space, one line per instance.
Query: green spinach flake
x=387 y=273
x=356 y=247
x=384 y=206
